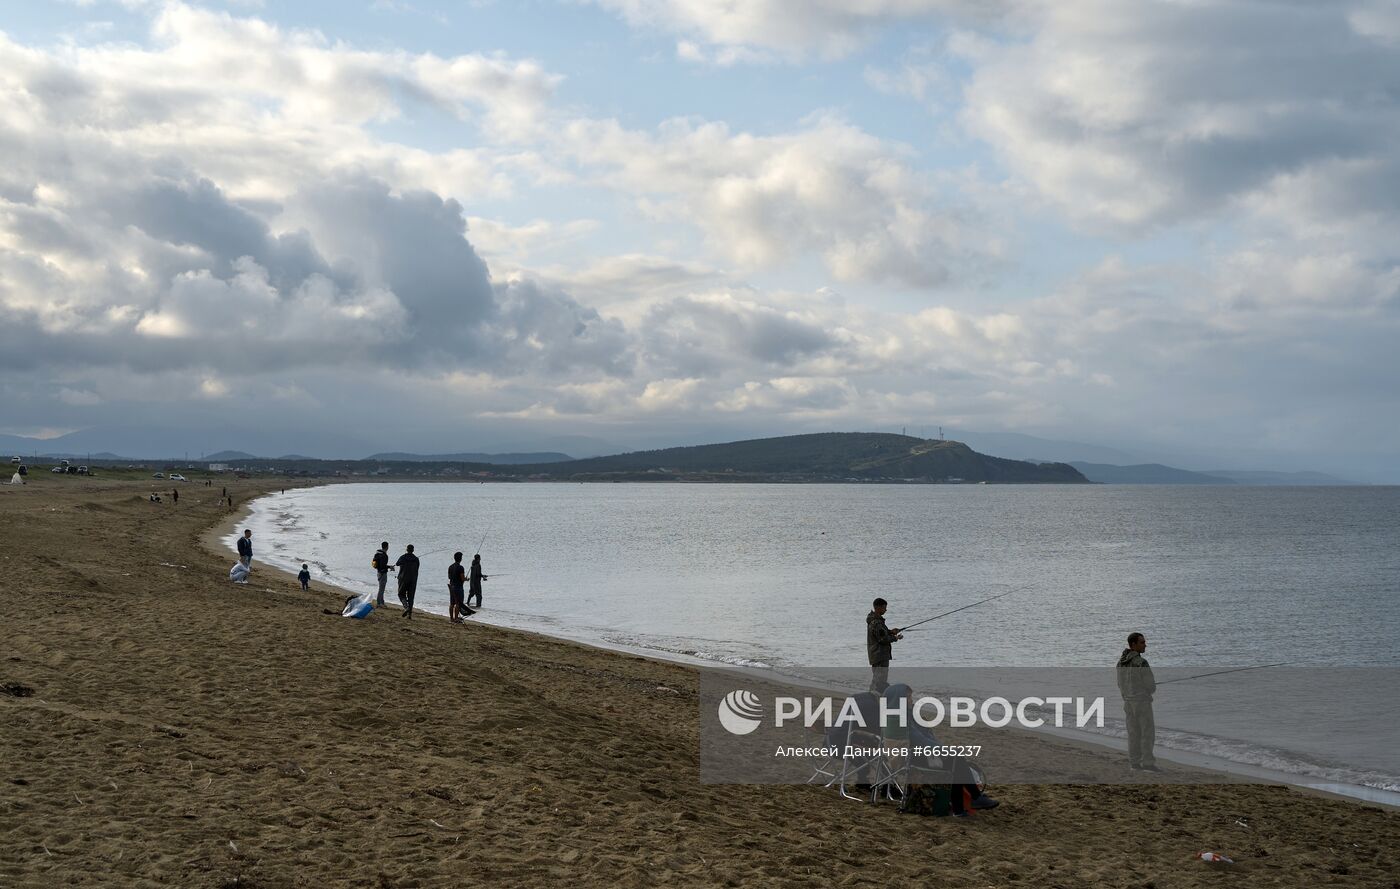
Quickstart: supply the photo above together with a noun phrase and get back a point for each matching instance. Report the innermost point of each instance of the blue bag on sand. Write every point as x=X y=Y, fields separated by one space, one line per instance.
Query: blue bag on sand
x=358 y=608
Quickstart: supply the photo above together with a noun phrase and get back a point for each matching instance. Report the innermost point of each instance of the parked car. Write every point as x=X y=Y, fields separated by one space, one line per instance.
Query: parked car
x=57 y=469
x=157 y=475
x=82 y=470
x=16 y=460
x=177 y=477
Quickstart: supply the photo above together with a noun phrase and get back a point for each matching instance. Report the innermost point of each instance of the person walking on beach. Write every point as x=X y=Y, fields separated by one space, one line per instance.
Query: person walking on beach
x=304 y=575
x=380 y=561
x=476 y=578
x=175 y=495
x=456 y=588
x=879 y=640
x=245 y=549
x=408 y=579
x=1137 y=685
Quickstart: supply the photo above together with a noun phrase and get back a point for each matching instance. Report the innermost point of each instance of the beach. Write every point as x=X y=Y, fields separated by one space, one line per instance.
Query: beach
x=163 y=727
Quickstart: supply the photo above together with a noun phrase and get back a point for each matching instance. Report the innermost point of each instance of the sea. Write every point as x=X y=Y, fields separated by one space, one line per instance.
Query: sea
x=780 y=577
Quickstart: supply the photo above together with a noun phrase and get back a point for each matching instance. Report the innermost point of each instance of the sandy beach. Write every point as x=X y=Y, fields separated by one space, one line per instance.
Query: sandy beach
x=163 y=727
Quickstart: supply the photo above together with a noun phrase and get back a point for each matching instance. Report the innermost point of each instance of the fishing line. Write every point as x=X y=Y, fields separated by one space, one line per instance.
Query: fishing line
x=1223 y=672
x=965 y=607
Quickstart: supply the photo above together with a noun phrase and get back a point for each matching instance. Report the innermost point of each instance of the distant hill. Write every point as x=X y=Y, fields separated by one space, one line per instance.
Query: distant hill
x=829 y=455
x=1018 y=446
x=495 y=459
x=1244 y=477
x=1146 y=474
x=227 y=457
x=100 y=455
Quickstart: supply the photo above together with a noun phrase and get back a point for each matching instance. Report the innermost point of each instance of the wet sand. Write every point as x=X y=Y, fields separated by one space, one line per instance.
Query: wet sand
x=180 y=730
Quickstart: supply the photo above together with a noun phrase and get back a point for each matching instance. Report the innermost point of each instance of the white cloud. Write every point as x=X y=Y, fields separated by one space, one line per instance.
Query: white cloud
x=759 y=30
x=1136 y=113
x=830 y=189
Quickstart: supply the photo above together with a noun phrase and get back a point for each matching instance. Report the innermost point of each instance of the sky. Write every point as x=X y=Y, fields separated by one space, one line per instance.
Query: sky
x=1164 y=226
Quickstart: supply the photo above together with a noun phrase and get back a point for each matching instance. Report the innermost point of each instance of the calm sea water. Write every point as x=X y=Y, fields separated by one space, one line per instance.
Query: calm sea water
x=782 y=576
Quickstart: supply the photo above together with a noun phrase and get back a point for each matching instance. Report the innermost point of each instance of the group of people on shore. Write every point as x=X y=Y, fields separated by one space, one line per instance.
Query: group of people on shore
x=1136 y=683
x=463 y=582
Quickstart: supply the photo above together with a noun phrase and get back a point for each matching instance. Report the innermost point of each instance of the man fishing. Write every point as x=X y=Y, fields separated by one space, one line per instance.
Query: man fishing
x=1137 y=685
x=878 y=642
x=476 y=578
x=380 y=561
x=408 y=579
x=456 y=574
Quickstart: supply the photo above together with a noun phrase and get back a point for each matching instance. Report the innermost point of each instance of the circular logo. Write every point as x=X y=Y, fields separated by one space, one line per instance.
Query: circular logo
x=740 y=712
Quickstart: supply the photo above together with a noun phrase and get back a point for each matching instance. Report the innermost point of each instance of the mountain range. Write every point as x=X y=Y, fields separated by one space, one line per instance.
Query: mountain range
x=854 y=456
x=1098 y=463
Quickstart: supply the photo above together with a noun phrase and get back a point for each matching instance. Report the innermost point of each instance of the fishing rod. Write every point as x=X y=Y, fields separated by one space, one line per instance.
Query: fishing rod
x=1223 y=672
x=965 y=607
x=483 y=541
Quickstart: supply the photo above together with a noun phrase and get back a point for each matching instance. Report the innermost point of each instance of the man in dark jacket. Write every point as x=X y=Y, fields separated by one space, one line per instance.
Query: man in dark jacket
x=408 y=579
x=1137 y=685
x=878 y=642
x=456 y=590
x=380 y=561
x=245 y=549
x=474 y=591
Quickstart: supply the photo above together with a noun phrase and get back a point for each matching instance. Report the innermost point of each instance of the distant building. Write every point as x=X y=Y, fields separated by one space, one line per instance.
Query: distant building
x=218 y=467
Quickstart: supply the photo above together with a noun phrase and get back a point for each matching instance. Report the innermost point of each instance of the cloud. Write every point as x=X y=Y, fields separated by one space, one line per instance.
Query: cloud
x=1128 y=114
x=707 y=335
x=544 y=329
x=761 y=201
x=218 y=215
x=762 y=30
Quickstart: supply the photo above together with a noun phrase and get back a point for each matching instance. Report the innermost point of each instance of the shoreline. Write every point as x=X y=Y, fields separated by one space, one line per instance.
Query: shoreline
x=1356 y=793
x=179 y=732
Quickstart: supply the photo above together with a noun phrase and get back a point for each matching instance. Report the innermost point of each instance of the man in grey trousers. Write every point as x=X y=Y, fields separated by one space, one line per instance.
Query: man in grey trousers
x=878 y=641
x=380 y=561
x=1137 y=685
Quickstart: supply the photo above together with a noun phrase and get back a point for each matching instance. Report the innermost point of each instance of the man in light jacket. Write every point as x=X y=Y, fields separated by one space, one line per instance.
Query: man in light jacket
x=1137 y=685
x=878 y=642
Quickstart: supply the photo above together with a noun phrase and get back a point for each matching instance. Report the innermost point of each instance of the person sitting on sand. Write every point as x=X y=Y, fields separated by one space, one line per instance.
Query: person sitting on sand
x=963 y=783
x=408 y=579
x=304 y=575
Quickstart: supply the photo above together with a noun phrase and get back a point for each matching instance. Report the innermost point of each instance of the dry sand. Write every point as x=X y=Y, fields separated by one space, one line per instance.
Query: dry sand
x=183 y=731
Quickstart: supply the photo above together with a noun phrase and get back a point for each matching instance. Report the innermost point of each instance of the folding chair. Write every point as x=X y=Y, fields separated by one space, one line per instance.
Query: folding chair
x=900 y=771
x=841 y=769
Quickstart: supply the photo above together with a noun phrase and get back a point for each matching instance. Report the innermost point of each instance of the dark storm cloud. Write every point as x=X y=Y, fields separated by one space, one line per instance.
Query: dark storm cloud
x=542 y=328
x=696 y=336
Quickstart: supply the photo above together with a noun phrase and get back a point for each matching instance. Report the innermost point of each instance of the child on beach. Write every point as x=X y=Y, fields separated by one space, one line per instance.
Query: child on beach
x=305 y=577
